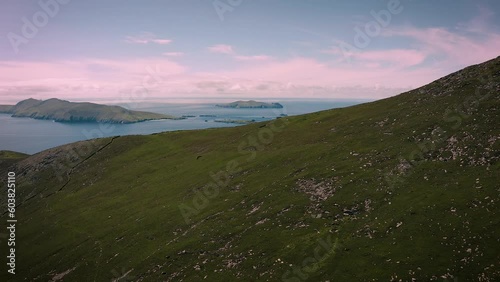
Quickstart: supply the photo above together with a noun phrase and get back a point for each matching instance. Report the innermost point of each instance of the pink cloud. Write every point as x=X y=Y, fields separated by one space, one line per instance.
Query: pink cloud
x=456 y=48
x=440 y=48
x=161 y=41
x=131 y=39
x=480 y=23
x=370 y=74
x=173 y=54
x=146 y=38
x=252 y=58
x=221 y=48
x=97 y=79
x=229 y=50
x=398 y=57
x=307 y=71
x=91 y=78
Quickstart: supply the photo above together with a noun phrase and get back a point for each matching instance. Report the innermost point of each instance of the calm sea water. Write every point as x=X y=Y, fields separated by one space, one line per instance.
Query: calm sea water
x=31 y=136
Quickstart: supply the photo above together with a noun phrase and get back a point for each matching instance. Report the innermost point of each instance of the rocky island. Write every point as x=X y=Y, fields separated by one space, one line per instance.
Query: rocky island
x=235 y=121
x=65 y=111
x=250 y=105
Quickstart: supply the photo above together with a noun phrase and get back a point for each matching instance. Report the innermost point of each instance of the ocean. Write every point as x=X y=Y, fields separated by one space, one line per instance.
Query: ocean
x=30 y=136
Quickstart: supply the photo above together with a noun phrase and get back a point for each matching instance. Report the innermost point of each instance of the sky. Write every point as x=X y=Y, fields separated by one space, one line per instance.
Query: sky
x=119 y=51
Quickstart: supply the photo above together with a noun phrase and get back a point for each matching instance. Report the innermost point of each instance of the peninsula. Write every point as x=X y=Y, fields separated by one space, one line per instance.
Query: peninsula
x=65 y=111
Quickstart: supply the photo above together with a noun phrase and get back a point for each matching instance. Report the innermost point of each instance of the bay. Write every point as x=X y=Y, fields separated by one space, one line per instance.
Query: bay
x=31 y=135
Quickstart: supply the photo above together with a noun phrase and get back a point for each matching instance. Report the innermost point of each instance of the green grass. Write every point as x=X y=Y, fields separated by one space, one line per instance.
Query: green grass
x=8 y=158
x=119 y=212
x=10 y=155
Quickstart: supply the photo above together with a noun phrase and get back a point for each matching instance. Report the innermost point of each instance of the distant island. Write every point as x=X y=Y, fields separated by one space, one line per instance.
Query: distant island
x=250 y=105
x=236 y=121
x=65 y=111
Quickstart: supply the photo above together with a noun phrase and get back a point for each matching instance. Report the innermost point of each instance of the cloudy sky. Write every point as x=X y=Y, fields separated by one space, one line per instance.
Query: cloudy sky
x=117 y=51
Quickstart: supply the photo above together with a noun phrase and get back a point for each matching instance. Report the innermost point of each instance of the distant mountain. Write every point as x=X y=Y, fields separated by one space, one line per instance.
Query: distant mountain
x=250 y=105
x=64 y=111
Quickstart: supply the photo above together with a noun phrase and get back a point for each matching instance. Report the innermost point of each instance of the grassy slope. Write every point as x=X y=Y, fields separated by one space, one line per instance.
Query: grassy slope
x=116 y=210
x=9 y=158
x=60 y=110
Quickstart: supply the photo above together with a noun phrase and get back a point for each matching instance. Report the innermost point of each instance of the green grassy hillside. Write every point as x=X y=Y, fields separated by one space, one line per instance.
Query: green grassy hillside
x=8 y=158
x=64 y=111
x=394 y=190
